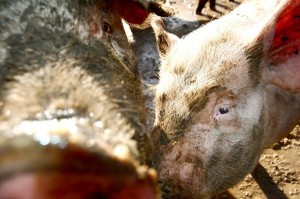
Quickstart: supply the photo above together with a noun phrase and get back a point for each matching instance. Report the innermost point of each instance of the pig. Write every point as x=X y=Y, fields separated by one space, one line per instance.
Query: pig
x=72 y=117
x=227 y=91
x=201 y=4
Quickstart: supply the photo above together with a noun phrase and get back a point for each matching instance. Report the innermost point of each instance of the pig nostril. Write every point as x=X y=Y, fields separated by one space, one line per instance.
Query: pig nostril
x=107 y=27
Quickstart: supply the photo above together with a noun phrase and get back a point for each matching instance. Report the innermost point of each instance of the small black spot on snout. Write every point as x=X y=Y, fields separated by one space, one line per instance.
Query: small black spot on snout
x=284 y=38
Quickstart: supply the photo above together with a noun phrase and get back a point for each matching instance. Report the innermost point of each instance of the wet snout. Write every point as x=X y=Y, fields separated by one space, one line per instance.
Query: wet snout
x=62 y=155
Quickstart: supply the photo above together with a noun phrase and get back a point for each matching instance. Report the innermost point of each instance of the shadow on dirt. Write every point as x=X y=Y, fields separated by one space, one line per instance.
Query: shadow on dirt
x=266 y=183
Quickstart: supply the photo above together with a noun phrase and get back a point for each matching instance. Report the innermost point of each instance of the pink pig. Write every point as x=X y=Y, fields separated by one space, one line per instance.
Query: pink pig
x=227 y=91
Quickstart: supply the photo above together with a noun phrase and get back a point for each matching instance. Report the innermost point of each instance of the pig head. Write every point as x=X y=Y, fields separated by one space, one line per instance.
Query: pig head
x=72 y=118
x=226 y=92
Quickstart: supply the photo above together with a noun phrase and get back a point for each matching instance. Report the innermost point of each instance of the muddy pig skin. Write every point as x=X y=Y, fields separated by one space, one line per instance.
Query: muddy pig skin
x=72 y=121
x=227 y=91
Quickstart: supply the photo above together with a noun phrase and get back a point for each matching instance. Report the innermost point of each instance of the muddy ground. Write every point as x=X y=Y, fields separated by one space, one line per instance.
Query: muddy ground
x=278 y=174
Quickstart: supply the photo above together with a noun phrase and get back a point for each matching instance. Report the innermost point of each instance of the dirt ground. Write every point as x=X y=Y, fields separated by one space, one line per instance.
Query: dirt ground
x=278 y=174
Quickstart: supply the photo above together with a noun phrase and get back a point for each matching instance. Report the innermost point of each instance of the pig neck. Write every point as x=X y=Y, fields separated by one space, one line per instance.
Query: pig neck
x=281 y=115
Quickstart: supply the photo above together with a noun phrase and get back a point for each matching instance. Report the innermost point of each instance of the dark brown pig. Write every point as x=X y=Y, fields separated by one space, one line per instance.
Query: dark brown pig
x=72 y=118
x=227 y=91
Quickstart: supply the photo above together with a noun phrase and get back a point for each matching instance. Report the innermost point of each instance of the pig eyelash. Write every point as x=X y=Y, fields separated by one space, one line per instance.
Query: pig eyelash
x=107 y=27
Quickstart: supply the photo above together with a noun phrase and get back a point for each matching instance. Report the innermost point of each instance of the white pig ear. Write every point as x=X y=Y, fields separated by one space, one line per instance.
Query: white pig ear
x=164 y=39
x=281 y=40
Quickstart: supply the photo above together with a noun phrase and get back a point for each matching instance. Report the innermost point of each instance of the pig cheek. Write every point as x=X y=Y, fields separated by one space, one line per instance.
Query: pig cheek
x=231 y=124
x=119 y=50
x=114 y=39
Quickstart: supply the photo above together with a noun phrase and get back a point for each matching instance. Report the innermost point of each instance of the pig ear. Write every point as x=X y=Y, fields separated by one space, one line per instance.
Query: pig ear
x=282 y=48
x=164 y=40
x=131 y=11
x=135 y=12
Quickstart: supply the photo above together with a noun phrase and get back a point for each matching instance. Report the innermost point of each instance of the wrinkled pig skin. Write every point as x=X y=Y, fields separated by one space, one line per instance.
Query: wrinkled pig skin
x=72 y=118
x=227 y=91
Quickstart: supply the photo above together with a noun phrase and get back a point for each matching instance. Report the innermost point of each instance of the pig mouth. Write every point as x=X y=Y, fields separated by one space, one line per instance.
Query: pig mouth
x=30 y=169
x=72 y=172
x=72 y=185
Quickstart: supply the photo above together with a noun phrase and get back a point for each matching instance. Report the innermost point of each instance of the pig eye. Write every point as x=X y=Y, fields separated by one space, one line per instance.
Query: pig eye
x=224 y=110
x=107 y=27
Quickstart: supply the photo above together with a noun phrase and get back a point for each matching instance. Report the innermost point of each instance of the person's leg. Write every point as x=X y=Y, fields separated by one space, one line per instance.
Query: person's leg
x=201 y=5
x=212 y=4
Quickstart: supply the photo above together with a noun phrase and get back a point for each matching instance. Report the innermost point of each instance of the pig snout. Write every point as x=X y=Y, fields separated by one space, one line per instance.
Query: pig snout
x=69 y=151
x=181 y=171
x=72 y=117
x=59 y=169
